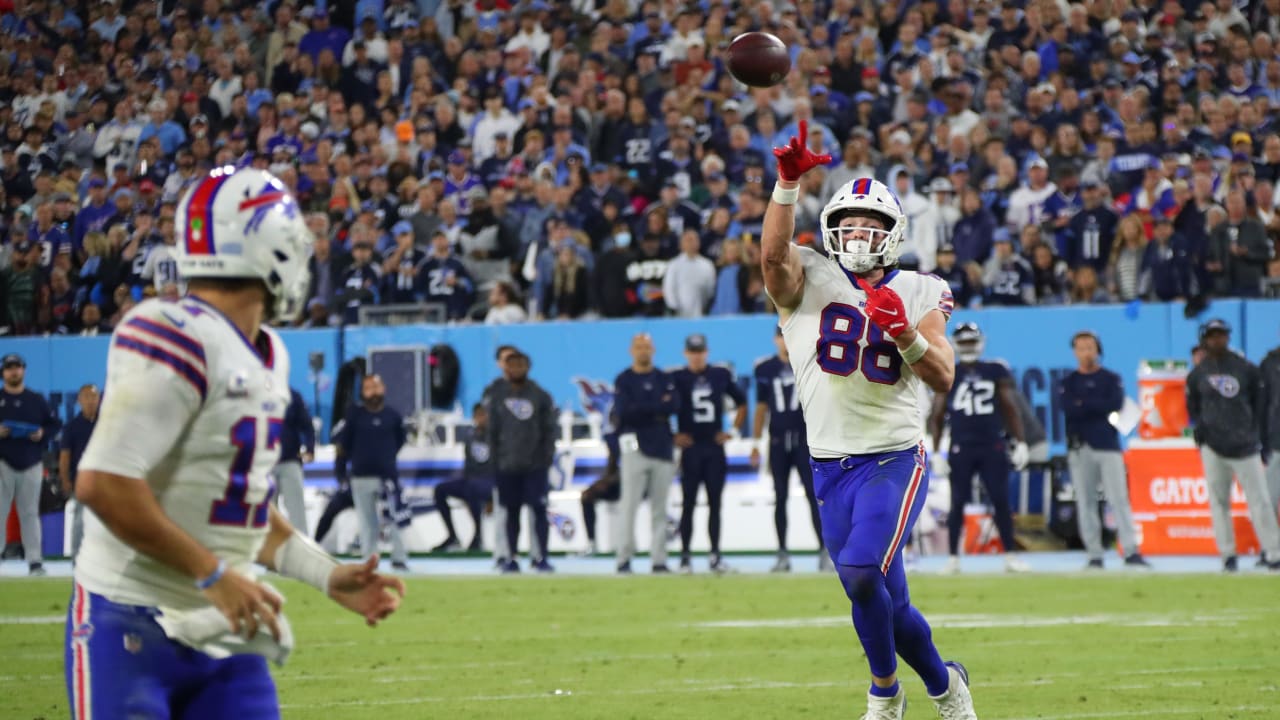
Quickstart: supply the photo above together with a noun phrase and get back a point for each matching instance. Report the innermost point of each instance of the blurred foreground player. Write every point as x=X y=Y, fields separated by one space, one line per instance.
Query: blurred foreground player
x=977 y=441
x=166 y=618
x=776 y=398
x=864 y=336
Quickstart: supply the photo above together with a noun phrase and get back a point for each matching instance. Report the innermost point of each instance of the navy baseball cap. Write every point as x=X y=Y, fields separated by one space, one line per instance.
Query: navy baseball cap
x=1214 y=325
x=696 y=342
x=13 y=360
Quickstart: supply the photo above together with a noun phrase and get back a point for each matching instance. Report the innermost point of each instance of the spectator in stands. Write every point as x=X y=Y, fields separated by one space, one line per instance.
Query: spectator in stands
x=690 y=280
x=1238 y=251
x=361 y=283
x=1125 y=266
x=1007 y=276
x=442 y=278
x=504 y=306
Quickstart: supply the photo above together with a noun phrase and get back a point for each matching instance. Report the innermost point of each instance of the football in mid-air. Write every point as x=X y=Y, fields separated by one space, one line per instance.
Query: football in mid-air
x=758 y=59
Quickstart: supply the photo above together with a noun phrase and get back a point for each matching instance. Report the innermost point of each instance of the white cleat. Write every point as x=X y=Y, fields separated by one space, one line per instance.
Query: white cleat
x=1015 y=564
x=956 y=703
x=953 y=566
x=893 y=708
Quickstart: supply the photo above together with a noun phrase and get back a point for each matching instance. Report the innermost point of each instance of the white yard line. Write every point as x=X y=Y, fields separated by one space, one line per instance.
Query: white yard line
x=32 y=619
x=946 y=621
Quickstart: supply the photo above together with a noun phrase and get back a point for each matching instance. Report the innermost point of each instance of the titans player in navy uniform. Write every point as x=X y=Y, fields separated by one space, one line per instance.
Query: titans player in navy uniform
x=701 y=437
x=978 y=440
x=788 y=446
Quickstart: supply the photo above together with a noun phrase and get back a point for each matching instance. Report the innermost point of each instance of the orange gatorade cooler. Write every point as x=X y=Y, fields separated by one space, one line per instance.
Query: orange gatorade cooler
x=1162 y=388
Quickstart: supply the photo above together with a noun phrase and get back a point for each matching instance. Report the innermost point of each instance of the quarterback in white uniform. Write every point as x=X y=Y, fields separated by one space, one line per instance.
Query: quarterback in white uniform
x=167 y=618
x=862 y=336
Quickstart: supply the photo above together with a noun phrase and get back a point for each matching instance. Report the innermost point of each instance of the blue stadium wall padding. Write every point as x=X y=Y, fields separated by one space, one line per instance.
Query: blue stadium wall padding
x=1034 y=341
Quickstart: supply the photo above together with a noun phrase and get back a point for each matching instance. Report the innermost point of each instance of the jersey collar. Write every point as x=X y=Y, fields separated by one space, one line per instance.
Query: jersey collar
x=879 y=284
x=267 y=356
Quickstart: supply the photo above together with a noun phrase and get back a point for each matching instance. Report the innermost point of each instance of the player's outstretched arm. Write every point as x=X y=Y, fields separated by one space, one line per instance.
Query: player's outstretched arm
x=358 y=587
x=783 y=272
x=937 y=367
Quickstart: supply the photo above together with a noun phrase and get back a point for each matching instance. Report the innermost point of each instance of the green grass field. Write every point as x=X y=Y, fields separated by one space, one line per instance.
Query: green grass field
x=736 y=647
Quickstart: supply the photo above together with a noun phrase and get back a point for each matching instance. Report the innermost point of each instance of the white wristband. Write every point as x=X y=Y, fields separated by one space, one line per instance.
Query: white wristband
x=301 y=559
x=786 y=196
x=916 y=350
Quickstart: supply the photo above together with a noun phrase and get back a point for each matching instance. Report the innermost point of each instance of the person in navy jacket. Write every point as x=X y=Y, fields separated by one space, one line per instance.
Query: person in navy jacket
x=71 y=445
x=1088 y=396
x=645 y=398
x=368 y=440
x=26 y=425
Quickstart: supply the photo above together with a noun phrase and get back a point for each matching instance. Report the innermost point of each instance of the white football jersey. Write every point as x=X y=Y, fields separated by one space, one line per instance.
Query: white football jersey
x=192 y=408
x=857 y=393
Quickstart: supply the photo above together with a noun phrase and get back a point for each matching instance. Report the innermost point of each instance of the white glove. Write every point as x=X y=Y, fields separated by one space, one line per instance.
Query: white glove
x=938 y=465
x=1018 y=455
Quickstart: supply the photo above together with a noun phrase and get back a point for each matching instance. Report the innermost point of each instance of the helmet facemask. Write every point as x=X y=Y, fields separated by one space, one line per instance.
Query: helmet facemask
x=858 y=247
x=968 y=351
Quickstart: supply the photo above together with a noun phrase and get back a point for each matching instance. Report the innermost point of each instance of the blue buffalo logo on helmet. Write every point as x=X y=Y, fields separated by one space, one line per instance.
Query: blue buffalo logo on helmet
x=520 y=407
x=1226 y=385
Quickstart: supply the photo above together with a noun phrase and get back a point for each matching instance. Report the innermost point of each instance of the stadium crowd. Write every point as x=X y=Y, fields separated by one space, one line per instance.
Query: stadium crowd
x=533 y=160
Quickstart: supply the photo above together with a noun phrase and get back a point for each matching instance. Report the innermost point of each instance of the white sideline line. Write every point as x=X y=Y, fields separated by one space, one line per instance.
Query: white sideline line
x=32 y=619
x=1214 y=710
x=943 y=620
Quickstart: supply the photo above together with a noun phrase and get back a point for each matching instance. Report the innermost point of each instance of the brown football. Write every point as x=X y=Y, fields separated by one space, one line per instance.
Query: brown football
x=758 y=59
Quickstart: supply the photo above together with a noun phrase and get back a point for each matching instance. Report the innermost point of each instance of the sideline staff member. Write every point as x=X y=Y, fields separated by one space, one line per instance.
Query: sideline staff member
x=1088 y=397
x=368 y=440
x=26 y=422
x=1227 y=403
x=644 y=399
x=75 y=438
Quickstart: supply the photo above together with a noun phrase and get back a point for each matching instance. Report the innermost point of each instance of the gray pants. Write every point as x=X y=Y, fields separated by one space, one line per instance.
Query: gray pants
x=1038 y=453
x=289 y=482
x=640 y=475
x=1093 y=471
x=365 y=492
x=1273 y=478
x=1248 y=470
x=77 y=528
x=500 y=547
x=23 y=486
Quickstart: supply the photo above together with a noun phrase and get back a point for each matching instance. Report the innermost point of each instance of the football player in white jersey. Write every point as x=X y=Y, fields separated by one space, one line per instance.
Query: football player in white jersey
x=167 y=618
x=862 y=337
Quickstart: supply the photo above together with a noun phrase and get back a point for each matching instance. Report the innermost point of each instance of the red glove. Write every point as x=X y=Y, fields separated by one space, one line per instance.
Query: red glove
x=885 y=308
x=795 y=158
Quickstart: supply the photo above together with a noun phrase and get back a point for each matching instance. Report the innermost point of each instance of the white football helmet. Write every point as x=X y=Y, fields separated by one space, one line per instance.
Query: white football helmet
x=244 y=223
x=863 y=196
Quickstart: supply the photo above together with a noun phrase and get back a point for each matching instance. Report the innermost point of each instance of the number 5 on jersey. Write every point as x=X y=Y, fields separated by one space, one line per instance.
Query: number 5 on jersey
x=232 y=508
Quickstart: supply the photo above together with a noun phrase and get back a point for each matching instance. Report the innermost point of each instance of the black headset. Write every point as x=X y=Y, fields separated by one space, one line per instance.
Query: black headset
x=1088 y=334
